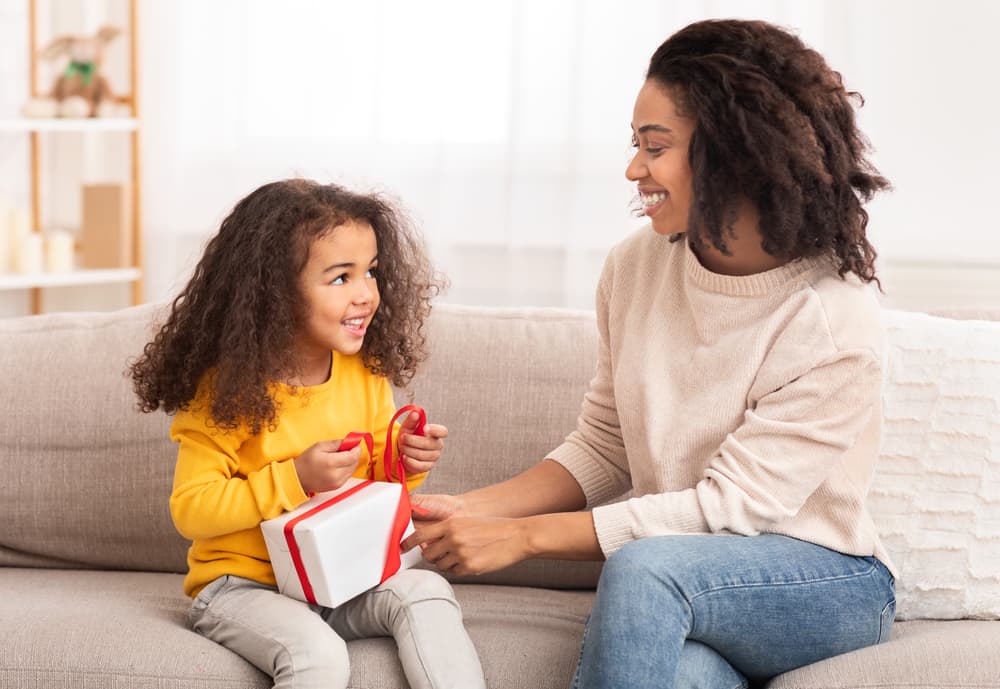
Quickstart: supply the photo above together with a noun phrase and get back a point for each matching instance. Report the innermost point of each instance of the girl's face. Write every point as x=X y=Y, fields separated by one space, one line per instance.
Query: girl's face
x=660 y=165
x=340 y=291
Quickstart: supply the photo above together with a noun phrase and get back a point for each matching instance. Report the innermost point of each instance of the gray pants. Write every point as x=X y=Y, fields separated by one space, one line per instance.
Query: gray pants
x=305 y=646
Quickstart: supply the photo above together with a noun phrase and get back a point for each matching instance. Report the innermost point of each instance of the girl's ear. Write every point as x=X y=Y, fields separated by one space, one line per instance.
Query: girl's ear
x=56 y=47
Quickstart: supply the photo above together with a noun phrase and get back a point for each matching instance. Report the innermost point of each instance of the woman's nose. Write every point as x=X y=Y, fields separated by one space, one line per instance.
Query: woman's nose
x=636 y=168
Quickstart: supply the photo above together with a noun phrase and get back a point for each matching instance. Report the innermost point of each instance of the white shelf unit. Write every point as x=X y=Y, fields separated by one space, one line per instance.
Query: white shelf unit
x=110 y=124
x=38 y=130
x=73 y=278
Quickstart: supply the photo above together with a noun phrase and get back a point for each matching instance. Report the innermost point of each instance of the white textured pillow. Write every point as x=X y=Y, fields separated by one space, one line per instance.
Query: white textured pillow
x=936 y=494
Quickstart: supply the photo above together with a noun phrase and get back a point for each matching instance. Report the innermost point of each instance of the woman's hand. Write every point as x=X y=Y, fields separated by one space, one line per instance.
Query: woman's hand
x=470 y=545
x=435 y=507
x=324 y=467
x=419 y=452
x=474 y=544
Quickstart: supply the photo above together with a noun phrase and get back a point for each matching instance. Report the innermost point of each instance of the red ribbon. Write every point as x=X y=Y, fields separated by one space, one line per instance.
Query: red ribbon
x=400 y=520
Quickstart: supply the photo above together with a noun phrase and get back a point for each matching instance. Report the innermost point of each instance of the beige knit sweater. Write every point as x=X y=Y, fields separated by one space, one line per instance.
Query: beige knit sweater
x=727 y=404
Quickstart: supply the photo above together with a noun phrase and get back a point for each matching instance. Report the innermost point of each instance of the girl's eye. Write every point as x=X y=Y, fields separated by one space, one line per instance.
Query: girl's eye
x=372 y=272
x=339 y=280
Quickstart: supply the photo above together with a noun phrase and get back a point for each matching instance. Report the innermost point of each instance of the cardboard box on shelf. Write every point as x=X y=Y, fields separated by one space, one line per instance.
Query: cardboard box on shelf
x=106 y=226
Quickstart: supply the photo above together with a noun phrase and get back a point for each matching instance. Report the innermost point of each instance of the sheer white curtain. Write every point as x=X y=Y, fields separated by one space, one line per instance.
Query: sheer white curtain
x=503 y=126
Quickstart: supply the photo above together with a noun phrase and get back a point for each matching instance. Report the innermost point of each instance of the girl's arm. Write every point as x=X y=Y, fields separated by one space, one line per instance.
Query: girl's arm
x=213 y=494
x=210 y=500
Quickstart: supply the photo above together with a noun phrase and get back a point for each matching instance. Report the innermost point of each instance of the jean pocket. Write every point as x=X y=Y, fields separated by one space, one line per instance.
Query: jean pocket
x=205 y=596
x=885 y=623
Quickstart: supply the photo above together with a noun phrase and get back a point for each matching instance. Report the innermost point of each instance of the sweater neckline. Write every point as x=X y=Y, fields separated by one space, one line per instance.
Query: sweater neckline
x=756 y=284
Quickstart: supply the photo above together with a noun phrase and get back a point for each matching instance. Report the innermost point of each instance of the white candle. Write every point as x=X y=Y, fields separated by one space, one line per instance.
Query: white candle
x=29 y=256
x=5 y=240
x=18 y=228
x=58 y=252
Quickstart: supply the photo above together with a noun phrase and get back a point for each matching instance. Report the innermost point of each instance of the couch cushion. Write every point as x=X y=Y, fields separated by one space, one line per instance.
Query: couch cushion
x=100 y=630
x=86 y=477
x=936 y=494
x=919 y=655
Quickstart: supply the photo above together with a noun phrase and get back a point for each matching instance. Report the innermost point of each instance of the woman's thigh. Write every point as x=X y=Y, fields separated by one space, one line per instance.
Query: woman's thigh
x=767 y=603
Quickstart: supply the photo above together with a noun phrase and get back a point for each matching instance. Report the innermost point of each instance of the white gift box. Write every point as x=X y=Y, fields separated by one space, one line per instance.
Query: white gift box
x=334 y=546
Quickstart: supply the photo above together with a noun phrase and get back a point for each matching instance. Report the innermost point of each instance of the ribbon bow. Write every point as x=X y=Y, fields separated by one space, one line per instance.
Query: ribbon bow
x=86 y=70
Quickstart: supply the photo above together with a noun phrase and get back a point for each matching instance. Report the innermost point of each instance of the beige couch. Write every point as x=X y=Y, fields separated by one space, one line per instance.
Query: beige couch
x=90 y=565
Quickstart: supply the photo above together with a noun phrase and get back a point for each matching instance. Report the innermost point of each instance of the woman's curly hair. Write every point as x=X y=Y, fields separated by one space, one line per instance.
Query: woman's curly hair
x=239 y=315
x=774 y=124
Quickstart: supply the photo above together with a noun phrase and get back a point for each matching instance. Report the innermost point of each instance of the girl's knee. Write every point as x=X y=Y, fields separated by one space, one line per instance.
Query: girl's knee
x=319 y=661
x=416 y=585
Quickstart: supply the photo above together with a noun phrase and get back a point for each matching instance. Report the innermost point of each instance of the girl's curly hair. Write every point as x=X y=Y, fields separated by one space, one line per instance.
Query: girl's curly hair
x=239 y=314
x=774 y=124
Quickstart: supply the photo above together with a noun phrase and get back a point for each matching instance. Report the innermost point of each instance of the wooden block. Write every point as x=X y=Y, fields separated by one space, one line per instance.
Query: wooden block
x=106 y=226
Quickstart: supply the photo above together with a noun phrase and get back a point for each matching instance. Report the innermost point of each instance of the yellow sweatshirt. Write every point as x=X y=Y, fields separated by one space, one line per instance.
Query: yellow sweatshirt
x=227 y=483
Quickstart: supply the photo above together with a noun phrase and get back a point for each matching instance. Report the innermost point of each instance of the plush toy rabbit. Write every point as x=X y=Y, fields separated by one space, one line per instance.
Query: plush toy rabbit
x=80 y=90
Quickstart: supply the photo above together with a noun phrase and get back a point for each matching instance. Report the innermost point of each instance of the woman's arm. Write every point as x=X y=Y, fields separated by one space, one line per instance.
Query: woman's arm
x=474 y=545
x=529 y=516
x=545 y=487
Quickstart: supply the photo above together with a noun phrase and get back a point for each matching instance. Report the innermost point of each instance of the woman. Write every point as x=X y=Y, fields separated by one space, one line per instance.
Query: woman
x=737 y=388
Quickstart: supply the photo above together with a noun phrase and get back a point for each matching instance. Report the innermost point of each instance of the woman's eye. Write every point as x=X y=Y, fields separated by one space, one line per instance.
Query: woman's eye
x=372 y=273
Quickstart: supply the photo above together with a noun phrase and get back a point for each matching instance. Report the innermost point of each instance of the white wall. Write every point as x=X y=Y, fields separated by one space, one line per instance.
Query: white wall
x=521 y=191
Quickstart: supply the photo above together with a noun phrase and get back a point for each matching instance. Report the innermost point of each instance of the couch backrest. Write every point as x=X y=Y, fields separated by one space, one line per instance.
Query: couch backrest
x=508 y=383
x=87 y=478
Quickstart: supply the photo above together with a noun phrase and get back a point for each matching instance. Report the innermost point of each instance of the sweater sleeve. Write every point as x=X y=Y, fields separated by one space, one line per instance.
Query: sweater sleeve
x=764 y=471
x=210 y=496
x=594 y=453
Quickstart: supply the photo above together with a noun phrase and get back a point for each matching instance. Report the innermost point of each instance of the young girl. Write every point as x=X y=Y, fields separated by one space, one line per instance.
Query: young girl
x=737 y=391
x=306 y=305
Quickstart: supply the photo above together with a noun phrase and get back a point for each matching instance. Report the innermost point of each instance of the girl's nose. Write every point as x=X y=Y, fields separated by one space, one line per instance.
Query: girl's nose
x=364 y=293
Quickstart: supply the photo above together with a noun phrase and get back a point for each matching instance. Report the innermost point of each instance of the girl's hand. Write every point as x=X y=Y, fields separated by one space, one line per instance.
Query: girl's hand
x=419 y=452
x=324 y=467
x=471 y=545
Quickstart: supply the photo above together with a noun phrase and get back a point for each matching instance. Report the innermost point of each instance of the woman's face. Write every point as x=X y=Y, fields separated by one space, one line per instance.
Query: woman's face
x=660 y=165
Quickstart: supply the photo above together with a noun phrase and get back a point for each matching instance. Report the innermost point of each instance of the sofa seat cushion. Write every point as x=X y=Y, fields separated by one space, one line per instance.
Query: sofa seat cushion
x=922 y=654
x=109 y=630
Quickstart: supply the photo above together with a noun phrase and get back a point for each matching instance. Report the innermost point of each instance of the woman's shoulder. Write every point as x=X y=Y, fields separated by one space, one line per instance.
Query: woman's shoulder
x=851 y=310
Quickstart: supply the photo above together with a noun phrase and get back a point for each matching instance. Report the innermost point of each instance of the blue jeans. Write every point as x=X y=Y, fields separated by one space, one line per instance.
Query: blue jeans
x=723 y=612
